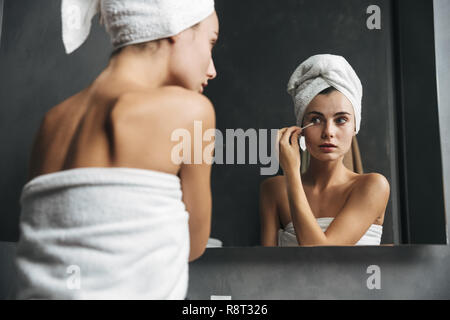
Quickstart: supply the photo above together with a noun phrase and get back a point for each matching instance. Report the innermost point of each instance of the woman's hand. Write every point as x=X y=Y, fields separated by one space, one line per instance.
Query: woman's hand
x=289 y=148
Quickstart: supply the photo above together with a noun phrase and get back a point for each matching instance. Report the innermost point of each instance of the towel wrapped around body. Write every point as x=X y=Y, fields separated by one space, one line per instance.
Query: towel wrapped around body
x=288 y=238
x=103 y=233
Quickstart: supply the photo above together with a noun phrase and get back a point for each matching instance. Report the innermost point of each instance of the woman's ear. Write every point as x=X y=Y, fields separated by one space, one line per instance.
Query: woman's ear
x=176 y=38
x=181 y=36
x=172 y=39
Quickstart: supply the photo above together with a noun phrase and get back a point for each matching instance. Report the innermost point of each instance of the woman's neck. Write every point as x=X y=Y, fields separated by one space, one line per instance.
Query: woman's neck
x=138 y=68
x=322 y=175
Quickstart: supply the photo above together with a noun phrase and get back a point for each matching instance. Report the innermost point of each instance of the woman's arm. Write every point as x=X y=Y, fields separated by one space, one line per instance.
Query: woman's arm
x=268 y=213
x=307 y=229
x=196 y=179
x=367 y=201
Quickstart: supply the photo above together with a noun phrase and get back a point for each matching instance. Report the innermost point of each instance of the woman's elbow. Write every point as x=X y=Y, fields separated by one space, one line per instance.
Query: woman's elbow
x=196 y=253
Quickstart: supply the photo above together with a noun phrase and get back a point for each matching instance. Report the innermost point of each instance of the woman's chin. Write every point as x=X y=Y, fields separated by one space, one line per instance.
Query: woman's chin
x=323 y=156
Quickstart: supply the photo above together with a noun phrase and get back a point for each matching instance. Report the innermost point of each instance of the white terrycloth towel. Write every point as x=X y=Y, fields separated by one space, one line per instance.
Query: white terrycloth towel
x=288 y=238
x=131 y=21
x=320 y=72
x=103 y=233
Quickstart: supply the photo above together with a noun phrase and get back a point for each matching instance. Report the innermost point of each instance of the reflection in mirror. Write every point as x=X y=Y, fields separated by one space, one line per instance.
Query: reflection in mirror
x=325 y=203
x=255 y=59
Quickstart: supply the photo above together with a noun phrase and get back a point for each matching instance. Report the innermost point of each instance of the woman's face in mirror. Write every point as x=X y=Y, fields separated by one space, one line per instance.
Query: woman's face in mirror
x=334 y=123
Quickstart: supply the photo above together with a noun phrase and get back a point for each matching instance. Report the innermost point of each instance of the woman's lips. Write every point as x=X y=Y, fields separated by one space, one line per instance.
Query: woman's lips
x=327 y=149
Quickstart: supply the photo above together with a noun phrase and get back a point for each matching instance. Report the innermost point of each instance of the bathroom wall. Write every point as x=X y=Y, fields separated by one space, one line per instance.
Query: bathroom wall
x=442 y=39
x=7 y=270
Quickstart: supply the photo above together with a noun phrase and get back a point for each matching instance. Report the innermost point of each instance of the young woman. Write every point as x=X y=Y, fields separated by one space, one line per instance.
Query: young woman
x=117 y=134
x=328 y=204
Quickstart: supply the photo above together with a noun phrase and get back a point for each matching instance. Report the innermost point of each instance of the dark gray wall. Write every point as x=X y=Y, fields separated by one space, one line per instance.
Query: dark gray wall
x=7 y=270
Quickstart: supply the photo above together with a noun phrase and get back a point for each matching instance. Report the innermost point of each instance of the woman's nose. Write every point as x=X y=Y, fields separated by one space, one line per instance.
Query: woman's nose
x=211 y=73
x=328 y=129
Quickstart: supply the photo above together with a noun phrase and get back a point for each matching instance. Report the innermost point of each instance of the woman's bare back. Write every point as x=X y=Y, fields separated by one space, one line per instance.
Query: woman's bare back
x=108 y=126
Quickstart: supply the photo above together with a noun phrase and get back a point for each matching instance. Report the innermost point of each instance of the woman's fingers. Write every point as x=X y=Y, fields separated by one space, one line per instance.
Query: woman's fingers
x=288 y=133
x=286 y=136
x=280 y=134
x=288 y=147
x=294 y=137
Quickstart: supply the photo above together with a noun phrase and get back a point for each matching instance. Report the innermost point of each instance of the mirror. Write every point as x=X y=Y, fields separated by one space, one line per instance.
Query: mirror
x=255 y=58
x=389 y=44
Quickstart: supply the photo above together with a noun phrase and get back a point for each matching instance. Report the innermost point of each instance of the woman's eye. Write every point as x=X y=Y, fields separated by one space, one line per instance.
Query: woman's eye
x=342 y=118
x=315 y=120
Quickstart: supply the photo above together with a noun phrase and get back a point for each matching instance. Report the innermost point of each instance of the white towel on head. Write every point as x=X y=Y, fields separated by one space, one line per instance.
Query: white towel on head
x=320 y=72
x=124 y=232
x=131 y=21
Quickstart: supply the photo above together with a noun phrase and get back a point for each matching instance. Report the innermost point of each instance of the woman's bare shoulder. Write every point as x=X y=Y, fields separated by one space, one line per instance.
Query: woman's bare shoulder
x=372 y=181
x=374 y=186
x=64 y=115
x=273 y=188
x=272 y=183
x=172 y=101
